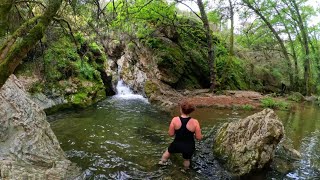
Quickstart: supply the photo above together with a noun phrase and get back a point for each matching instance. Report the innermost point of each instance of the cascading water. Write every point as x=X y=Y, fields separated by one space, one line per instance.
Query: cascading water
x=124 y=92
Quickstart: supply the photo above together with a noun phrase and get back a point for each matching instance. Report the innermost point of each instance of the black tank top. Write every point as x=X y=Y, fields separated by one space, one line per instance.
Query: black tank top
x=183 y=134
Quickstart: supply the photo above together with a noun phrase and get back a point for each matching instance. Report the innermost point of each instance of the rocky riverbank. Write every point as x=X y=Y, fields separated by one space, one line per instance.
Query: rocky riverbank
x=28 y=147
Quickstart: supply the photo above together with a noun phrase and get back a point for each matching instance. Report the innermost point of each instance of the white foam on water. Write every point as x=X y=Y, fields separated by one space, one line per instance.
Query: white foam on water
x=124 y=92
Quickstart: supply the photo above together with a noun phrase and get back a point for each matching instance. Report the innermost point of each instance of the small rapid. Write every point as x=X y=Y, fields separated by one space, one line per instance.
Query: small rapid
x=124 y=92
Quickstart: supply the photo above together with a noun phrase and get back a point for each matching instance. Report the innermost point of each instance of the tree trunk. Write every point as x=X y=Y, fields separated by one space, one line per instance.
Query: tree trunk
x=317 y=58
x=305 y=38
x=5 y=8
x=211 y=55
x=280 y=41
x=24 y=39
x=293 y=50
x=231 y=28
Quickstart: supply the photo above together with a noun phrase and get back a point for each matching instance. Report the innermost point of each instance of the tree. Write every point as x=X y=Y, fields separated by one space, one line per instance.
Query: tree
x=231 y=9
x=258 y=11
x=297 y=17
x=289 y=31
x=16 y=47
x=211 y=56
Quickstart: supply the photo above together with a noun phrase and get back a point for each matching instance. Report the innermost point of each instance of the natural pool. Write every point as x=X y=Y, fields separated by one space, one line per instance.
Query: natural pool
x=125 y=138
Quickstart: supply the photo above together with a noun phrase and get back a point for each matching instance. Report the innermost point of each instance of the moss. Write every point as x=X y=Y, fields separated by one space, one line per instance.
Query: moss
x=79 y=99
x=231 y=73
x=219 y=139
x=36 y=87
x=131 y=46
x=150 y=88
x=296 y=96
x=66 y=74
x=171 y=62
x=80 y=38
x=95 y=48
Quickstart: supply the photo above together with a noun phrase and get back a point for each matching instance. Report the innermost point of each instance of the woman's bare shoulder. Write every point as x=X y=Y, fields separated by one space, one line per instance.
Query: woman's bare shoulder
x=175 y=118
x=195 y=120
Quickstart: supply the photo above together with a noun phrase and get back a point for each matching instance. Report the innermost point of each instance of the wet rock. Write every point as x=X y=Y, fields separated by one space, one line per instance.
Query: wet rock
x=131 y=71
x=286 y=158
x=45 y=103
x=311 y=98
x=28 y=147
x=204 y=161
x=249 y=144
x=115 y=49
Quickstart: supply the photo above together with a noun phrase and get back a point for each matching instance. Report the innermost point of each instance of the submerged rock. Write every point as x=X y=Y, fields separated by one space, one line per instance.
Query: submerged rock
x=249 y=144
x=28 y=147
x=286 y=158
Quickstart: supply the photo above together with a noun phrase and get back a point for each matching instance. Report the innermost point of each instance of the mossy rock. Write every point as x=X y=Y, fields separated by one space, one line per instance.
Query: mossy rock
x=242 y=145
x=150 y=88
x=296 y=96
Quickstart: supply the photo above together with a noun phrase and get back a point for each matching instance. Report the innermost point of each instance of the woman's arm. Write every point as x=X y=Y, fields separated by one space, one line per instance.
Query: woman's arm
x=171 y=128
x=198 y=134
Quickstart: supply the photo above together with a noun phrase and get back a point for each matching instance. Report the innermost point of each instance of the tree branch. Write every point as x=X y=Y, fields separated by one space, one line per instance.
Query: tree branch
x=35 y=2
x=178 y=1
x=60 y=20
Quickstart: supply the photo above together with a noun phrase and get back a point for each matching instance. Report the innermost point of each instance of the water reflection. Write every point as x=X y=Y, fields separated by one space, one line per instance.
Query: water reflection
x=124 y=139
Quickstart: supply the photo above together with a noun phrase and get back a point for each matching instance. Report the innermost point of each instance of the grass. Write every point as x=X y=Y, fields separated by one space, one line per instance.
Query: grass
x=247 y=107
x=269 y=102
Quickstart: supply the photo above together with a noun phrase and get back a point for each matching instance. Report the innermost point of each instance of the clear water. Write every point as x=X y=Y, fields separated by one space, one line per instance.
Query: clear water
x=124 y=139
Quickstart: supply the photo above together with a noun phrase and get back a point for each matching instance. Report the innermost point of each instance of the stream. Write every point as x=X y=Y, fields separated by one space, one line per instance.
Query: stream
x=123 y=137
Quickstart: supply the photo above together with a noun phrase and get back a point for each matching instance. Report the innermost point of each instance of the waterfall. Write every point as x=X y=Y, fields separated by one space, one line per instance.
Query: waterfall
x=124 y=92
x=122 y=89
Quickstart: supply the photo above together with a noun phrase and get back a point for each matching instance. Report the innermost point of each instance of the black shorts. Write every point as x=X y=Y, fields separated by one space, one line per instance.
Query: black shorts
x=186 y=148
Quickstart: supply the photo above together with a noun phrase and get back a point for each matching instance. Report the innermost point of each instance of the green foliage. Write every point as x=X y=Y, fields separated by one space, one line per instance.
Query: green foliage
x=36 y=87
x=214 y=16
x=86 y=70
x=231 y=73
x=73 y=76
x=79 y=98
x=80 y=38
x=269 y=102
x=247 y=107
x=150 y=88
x=296 y=96
x=282 y=105
x=59 y=60
x=131 y=46
x=95 y=48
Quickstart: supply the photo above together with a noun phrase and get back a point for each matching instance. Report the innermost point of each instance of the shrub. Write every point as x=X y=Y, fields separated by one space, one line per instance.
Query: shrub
x=273 y=104
x=296 y=96
x=247 y=107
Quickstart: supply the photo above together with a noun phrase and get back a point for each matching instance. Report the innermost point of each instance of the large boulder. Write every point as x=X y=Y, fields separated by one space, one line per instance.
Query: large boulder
x=249 y=144
x=28 y=147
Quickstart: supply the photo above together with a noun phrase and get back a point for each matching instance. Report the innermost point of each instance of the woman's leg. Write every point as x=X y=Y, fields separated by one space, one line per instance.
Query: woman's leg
x=186 y=163
x=164 y=158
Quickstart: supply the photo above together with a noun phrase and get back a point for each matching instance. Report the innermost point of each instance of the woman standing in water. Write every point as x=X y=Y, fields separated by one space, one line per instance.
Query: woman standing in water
x=185 y=129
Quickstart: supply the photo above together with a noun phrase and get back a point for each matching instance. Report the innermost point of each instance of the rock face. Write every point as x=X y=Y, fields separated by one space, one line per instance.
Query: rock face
x=249 y=143
x=160 y=65
x=28 y=147
x=45 y=103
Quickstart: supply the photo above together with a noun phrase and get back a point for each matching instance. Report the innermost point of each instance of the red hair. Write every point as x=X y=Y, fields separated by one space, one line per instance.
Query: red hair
x=187 y=107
